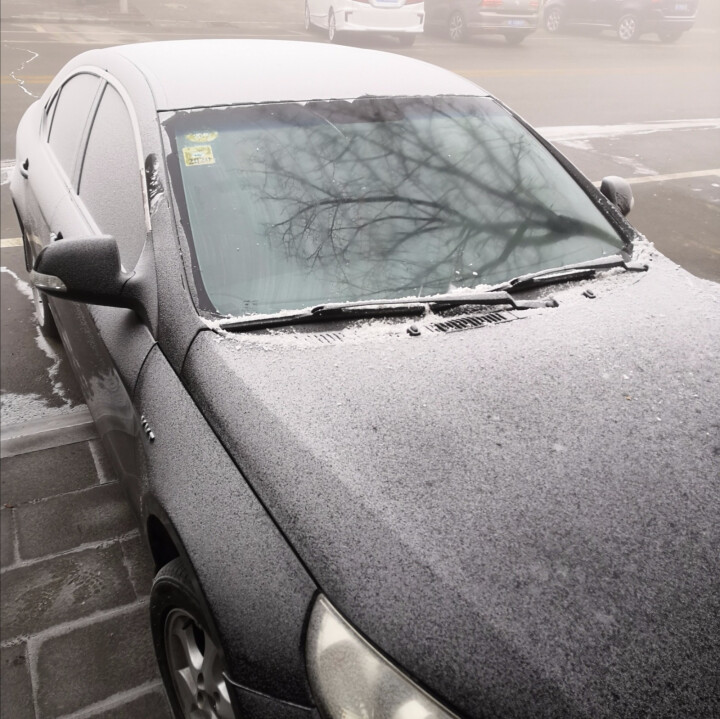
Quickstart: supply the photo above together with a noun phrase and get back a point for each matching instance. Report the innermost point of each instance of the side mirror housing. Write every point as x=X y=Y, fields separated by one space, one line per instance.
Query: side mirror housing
x=86 y=269
x=619 y=192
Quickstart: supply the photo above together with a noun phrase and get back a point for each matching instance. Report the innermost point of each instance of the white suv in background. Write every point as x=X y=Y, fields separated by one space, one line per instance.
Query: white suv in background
x=403 y=18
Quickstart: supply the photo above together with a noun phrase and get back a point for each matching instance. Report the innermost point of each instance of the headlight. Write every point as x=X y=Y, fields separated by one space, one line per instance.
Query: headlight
x=351 y=680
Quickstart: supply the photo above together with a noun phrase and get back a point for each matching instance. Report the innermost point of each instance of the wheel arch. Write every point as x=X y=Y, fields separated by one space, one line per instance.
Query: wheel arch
x=162 y=539
x=627 y=7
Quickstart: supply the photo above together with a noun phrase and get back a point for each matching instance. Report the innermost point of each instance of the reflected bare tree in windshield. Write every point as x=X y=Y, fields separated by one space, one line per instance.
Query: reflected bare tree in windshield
x=424 y=201
x=387 y=198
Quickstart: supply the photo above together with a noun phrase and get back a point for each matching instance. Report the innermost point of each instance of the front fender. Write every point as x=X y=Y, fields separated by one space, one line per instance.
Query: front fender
x=256 y=588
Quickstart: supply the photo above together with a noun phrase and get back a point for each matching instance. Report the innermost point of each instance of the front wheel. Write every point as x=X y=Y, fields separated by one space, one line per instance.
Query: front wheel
x=406 y=39
x=553 y=20
x=333 y=34
x=457 y=28
x=191 y=660
x=628 y=28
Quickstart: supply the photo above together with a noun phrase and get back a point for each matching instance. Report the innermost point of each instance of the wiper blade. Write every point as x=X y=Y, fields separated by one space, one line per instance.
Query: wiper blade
x=451 y=299
x=379 y=308
x=568 y=273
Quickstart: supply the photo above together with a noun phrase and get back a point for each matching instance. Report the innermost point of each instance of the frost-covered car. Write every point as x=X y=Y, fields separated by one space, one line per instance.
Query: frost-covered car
x=629 y=18
x=403 y=18
x=416 y=425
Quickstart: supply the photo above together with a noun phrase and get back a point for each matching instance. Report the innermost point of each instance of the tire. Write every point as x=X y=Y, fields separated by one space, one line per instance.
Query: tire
x=406 y=39
x=515 y=38
x=457 y=27
x=333 y=34
x=670 y=35
x=43 y=316
x=628 y=27
x=553 y=19
x=188 y=652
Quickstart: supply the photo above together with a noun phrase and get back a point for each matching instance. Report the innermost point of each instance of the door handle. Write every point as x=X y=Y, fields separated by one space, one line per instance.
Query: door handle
x=24 y=168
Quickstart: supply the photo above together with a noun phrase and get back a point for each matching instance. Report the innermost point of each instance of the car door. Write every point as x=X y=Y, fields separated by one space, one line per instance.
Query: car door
x=107 y=345
x=605 y=12
x=582 y=11
x=437 y=12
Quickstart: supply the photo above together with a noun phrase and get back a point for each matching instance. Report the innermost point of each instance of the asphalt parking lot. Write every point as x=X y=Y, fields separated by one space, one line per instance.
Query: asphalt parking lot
x=75 y=576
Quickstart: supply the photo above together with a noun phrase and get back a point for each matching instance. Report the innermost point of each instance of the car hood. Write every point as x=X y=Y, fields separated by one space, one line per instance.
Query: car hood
x=523 y=515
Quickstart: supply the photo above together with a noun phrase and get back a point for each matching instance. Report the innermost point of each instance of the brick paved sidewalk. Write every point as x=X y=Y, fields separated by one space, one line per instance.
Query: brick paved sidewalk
x=75 y=578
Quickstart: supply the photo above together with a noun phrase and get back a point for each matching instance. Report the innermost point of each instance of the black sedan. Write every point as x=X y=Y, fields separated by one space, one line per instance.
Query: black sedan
x=629 y=18
x=416 y=425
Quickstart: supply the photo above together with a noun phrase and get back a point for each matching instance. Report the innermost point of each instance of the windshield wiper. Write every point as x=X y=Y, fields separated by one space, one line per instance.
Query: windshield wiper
x=568 y=273
x=380 y=308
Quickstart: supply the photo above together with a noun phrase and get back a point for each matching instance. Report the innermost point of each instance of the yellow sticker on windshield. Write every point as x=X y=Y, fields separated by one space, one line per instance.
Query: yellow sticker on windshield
x=202 y=136
x=198 y=155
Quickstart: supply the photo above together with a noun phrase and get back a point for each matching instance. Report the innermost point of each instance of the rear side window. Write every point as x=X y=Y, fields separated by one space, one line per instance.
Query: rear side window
x=70 y=120
x=110 y=180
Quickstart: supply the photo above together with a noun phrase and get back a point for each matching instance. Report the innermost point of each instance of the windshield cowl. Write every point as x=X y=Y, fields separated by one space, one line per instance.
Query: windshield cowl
x=384 y=307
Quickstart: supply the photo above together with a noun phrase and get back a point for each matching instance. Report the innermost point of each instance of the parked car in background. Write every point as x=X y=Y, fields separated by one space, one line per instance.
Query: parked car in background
x=459 y=19
x=402 y=18
x=629 y=18
x=416 y=425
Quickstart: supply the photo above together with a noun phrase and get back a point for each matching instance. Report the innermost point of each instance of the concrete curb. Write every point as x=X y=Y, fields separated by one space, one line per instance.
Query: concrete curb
x=66 y=428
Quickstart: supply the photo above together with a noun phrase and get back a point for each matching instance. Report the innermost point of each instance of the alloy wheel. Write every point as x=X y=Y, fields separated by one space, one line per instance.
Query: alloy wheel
x=456 y=27
x=553 y=19
x=628 y=28
x=332 y=29
x=197 y=669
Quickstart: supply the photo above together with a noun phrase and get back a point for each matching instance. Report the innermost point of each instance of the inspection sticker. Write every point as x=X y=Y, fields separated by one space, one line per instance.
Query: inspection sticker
x=198 y=155
x=207 y=136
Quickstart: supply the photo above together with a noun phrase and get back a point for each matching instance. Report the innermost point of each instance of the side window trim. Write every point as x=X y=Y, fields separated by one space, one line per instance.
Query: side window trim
x=49 y=113
x=73 y=181
x=140 y=160
x=82 y=151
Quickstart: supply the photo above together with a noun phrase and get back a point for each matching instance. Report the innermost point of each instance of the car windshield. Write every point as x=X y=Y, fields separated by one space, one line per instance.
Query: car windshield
x=296 y=204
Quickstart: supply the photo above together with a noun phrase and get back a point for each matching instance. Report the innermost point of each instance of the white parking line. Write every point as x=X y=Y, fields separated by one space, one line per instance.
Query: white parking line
x=669 y=177
x=594 y=132
x=673 y=176
x=11 y=242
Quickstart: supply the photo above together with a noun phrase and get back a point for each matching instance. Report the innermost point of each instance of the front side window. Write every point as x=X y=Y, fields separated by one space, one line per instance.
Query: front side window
x=111 y=181
x=292 y=205
x=72 y=114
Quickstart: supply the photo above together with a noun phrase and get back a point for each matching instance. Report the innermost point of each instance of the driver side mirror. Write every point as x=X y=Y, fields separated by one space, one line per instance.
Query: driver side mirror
x=619 y=192
x=86 y=269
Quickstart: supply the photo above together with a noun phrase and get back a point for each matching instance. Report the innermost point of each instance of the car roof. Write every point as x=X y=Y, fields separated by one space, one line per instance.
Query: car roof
x=202 y=73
